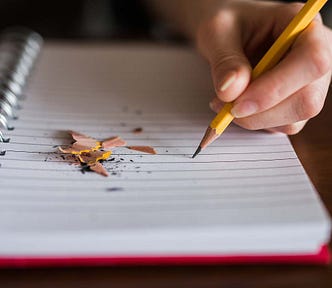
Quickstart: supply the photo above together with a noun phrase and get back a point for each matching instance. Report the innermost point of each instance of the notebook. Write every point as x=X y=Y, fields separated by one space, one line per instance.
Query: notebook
x=245 y=199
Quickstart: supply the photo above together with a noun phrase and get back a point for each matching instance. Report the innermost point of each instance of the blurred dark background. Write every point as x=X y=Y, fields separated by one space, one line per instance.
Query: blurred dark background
x=90 y=19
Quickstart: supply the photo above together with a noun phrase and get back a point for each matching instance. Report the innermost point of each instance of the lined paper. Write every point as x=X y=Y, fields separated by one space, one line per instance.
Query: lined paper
x=246 y=192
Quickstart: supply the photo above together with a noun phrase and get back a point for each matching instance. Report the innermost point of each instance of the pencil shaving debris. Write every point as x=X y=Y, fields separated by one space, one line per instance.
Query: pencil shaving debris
x=94 y=156
x=113 y=142
x=137 y=130
x=87 y=151
x=145 y=149
x=82 y=144
x=98 y=168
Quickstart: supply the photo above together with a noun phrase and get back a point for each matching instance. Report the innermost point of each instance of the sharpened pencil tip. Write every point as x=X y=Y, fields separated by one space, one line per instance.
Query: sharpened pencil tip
x=199 y=149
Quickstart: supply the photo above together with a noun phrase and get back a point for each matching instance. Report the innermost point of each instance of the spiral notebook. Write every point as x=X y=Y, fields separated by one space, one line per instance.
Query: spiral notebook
x=245 y=199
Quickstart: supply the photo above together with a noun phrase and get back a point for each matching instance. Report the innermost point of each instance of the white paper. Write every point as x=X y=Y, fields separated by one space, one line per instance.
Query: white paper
x=247 y=192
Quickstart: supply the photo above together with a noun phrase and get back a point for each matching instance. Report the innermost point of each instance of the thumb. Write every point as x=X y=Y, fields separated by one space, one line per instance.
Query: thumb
x=220 y=43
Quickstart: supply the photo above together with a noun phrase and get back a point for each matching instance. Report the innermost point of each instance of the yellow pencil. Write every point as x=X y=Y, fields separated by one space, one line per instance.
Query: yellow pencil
x=270 y=59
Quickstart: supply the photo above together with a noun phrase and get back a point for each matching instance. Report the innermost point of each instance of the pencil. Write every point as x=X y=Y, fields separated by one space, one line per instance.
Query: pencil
x=269 y=60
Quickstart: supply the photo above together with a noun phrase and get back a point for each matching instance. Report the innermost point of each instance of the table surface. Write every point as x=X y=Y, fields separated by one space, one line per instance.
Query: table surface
x=313 y=146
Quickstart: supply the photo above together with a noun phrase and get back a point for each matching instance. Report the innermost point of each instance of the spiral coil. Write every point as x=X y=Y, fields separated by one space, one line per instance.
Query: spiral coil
x=19 y=49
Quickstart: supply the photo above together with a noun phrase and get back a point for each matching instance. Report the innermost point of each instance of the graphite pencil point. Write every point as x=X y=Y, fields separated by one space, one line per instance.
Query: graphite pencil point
x=199 y=149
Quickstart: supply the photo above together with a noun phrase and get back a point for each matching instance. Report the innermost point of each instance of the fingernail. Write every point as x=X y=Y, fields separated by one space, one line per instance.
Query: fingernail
x=244 y=109
x=215 y=105
x=228 y=81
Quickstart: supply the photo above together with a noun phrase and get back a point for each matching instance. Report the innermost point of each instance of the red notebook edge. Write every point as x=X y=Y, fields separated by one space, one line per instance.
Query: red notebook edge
x=322 y=257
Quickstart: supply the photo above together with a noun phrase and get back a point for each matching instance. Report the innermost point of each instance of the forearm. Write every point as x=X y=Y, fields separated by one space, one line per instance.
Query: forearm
x=184 y=15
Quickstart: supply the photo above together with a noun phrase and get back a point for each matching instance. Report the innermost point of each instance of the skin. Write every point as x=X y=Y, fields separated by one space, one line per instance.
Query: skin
x=233 y=35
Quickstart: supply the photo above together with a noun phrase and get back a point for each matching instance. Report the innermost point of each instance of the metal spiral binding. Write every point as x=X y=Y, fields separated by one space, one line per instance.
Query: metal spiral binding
x=19 y=49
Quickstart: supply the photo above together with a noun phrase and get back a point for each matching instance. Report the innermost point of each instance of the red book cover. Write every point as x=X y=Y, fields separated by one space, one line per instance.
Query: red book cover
x=322 y=257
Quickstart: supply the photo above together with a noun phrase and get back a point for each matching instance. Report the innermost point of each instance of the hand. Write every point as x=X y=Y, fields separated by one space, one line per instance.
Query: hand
x=236 y=34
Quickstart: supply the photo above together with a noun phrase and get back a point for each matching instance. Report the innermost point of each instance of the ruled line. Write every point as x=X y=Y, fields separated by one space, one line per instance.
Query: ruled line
x=164 y=179
x=147 y=155
x=278 y=203
x=53 y=178
x=198 y=162
x=120 y=197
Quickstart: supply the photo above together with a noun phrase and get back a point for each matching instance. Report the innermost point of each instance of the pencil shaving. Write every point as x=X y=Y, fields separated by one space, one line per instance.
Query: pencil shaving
x=94 y=156
x=113 y=142
x=85 y=141
x=85 y=151
x=78 y=148
x=144 y=149
x=99 y=169
x=82 y=144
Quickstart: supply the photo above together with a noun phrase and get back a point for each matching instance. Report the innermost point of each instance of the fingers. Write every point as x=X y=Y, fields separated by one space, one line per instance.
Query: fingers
x=306 y=62
x=289 y=116
x=301 y=106
x=290 y=129
x=219 y=40
x=216 y=104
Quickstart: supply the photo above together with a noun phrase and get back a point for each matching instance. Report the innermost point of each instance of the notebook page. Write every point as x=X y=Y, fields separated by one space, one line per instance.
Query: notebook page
x=247 y=191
